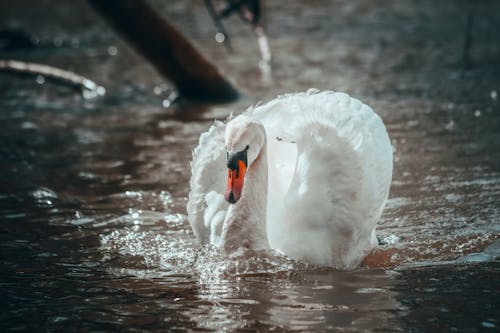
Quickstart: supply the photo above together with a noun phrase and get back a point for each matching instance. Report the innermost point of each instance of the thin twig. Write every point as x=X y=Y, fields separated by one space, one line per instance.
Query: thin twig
x=265 y=50
x=55 y=73
x=218 y=25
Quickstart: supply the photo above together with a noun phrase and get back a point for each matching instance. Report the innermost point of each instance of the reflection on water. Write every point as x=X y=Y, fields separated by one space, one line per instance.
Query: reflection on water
x=92 y=199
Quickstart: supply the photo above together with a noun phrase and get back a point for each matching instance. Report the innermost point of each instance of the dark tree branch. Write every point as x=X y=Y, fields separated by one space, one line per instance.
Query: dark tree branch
x=172 y=55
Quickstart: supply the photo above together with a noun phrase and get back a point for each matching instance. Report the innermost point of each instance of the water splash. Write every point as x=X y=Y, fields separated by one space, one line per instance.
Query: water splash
x=176 y=252
x=213 y=267
x=44 y=197
x=156 y=251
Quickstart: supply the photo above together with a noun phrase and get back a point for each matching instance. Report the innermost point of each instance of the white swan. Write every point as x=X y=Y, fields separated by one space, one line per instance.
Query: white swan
x=307 y=174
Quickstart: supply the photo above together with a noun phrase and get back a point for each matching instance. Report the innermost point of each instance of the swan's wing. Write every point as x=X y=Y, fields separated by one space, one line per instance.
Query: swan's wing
x=340 y=180
x=206 y=206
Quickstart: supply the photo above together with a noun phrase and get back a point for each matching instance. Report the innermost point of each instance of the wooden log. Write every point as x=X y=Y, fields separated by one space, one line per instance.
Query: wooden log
x=169 y=52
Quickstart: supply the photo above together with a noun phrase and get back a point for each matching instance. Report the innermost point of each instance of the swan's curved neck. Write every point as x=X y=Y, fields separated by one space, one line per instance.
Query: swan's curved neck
x=245 y=223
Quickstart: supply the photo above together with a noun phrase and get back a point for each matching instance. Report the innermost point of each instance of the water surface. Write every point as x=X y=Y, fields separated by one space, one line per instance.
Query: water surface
x=94 y=235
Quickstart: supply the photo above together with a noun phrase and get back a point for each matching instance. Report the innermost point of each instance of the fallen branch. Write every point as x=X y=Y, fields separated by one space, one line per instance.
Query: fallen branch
x=54 y=73
x=172 y=54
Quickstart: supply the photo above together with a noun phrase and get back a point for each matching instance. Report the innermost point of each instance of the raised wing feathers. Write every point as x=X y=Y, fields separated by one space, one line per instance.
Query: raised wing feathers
x=207 y=184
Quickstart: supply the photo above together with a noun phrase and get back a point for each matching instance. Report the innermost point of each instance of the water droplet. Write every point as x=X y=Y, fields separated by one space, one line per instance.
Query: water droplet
x=40 y=79
x=166 y=103
x=477 y=113
x=220 y=37
x=157 y=90
x=450 y=125
x=101 y=91
x=493 y=95
x=112 y=50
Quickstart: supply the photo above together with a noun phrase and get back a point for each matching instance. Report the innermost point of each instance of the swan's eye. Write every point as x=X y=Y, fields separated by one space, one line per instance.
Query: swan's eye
x=232 y=159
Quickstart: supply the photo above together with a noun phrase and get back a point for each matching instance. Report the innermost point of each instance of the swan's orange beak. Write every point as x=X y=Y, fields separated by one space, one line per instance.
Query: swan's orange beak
x=236 y=169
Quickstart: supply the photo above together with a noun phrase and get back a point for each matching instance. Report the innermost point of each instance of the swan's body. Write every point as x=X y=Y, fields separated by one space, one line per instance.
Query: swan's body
x=316 y=169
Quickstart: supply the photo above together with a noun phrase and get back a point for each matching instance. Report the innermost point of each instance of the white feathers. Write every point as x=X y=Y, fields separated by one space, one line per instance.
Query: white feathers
x=329 y=171
x=207 y=174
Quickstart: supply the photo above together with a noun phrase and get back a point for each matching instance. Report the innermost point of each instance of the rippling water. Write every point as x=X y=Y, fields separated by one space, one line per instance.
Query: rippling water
x=94 y=234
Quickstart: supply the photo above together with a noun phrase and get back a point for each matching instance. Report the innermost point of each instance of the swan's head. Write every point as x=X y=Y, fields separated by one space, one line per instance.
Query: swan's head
x=244 y=140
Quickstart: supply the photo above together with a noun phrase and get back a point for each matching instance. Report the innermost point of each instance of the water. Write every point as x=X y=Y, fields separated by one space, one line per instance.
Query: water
x=94 y=234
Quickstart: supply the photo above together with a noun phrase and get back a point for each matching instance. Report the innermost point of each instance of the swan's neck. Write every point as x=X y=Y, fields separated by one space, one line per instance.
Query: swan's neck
x=245 y=223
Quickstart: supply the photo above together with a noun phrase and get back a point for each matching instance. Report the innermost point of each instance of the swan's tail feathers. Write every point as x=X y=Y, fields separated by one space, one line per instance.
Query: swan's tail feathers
x=207 y=179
